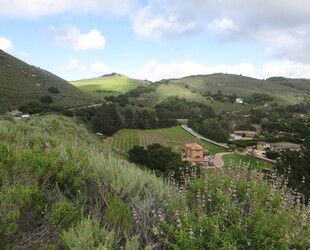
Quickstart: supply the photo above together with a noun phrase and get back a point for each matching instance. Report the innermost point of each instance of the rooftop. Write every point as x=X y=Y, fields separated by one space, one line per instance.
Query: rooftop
x=245 y=132
x=284 y=145
x=194 y=146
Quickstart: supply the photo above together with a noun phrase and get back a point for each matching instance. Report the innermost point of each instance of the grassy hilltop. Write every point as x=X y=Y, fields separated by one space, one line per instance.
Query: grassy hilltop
x=21 y=83
x=192 y=87
x=282 y=90
x=60 y=188
x=113 y=84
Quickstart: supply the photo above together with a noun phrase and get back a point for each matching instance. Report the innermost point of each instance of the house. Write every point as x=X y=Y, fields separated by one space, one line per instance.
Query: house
x=249 y=148
x=239 y=100
x=25 y=115
x=279 y=147
x=262 y=146
x=195 y=153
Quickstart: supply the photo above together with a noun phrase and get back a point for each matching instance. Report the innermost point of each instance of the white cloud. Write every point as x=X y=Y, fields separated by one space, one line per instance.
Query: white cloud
x=282 y=27
x=99 y=68
x=285 y=68
x=162 y=19
x=73 y=65
x=70 y=36
x=222 y=25
x=155 y=71
x=6 y=45
x=38 y=8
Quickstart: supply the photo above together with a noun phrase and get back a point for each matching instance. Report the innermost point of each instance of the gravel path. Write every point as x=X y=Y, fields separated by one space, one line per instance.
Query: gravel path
x=218 y=161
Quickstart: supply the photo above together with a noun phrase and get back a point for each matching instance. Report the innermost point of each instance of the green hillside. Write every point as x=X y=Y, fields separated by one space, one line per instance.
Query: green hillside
x=113 y=84
x=22 y=83
x=299 y=84
x=193 y=87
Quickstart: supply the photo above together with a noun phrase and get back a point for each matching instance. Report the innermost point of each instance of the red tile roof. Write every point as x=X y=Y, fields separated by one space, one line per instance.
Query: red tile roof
x=194 y=146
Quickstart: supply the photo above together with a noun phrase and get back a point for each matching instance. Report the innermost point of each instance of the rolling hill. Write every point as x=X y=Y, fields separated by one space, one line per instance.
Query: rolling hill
x=21 y=83
x=285 y=91
x=107 y=85
x=300 y=84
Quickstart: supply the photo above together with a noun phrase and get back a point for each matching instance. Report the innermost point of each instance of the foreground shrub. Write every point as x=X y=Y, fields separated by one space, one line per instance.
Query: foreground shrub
x=227 y=209
x=63 y=215
x=89 y=235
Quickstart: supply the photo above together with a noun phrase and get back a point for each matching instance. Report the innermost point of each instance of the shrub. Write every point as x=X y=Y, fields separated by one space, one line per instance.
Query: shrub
x=88 y=234
x=53 y=90
x=63 y=215
x=224 y=210
x=46 y=99
x=118 y=215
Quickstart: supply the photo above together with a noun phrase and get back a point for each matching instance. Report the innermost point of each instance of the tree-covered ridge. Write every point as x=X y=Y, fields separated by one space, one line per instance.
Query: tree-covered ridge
x=60 y=188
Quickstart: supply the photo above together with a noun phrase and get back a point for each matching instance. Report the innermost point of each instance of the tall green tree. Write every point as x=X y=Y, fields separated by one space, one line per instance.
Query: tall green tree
x=106 y=120
x=295 y=166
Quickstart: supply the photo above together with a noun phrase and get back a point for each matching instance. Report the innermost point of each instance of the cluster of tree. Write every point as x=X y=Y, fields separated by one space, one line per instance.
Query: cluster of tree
x=293 y=127
x=295 y=167
x=215 y=129
x=109 y=118
x=218 y=96
x=123 y=100
x=178 y=107
x=105 y=91
x=278 y=113
x=303 y=108
x=158 y=158
x=239 y=122
x=46 y=99
x=41 y=107
x=259 y=98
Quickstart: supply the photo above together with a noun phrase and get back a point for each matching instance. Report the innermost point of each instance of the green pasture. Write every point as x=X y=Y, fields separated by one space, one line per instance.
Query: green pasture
x=174 y=131
x=244 y=159
x=118 y=83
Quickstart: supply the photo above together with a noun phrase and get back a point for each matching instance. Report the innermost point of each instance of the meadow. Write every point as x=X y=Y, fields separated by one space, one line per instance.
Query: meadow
x=234 y=159
x=108 y=86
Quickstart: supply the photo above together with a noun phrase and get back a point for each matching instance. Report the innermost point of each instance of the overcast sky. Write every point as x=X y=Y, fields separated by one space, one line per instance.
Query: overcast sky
x=158 y=39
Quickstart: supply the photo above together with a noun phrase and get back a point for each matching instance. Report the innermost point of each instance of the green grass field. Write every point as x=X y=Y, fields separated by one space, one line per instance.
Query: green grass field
x=117 y=83
x=191 y=88
x=244 y=159
x=174 y=137
x=175 y=131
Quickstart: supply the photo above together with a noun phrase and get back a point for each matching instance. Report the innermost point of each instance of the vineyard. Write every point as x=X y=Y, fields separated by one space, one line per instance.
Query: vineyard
x=174 y=137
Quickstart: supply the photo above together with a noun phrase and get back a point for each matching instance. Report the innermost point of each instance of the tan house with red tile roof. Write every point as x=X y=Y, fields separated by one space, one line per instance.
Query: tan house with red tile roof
x=195 y=153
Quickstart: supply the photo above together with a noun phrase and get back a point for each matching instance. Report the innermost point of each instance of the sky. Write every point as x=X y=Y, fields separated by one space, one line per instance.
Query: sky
x=159 y=39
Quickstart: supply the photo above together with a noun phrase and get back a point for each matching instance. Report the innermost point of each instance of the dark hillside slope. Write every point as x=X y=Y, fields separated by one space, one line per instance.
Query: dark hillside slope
x=22 y=83
x=300 y=84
